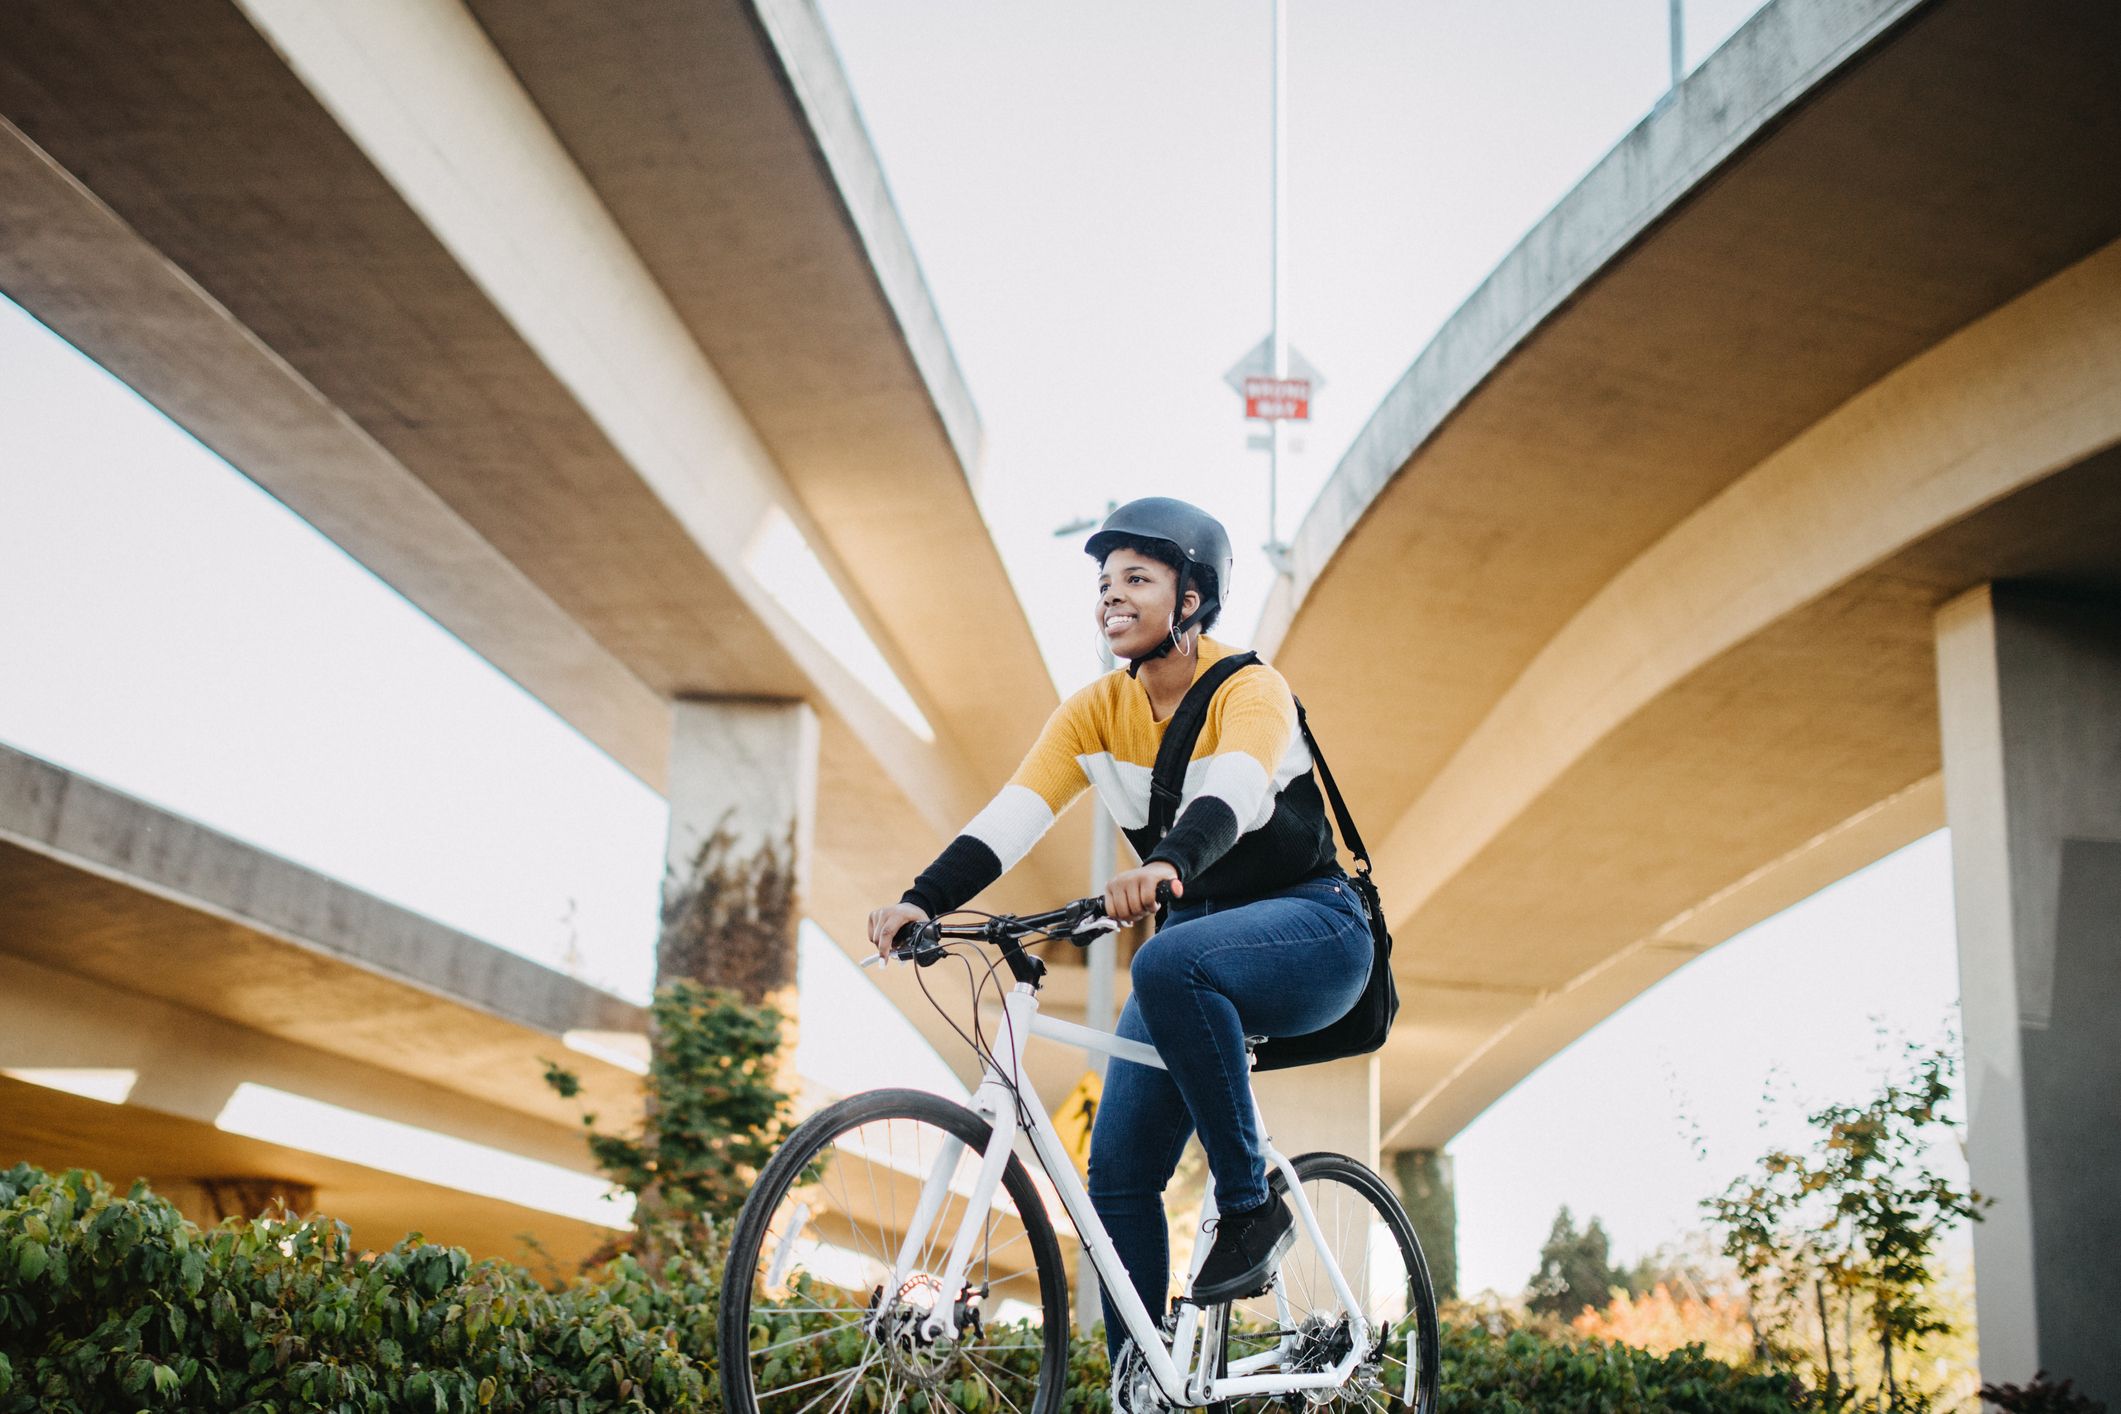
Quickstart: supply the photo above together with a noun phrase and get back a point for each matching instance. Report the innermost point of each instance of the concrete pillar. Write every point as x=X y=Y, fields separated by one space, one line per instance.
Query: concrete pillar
x=743 y=808
x=2030 y=707
x=1429 y=1189
x=1332 y=1106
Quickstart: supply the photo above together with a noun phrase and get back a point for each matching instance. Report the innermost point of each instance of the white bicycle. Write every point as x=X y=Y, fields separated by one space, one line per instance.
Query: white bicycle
x=897 y=1253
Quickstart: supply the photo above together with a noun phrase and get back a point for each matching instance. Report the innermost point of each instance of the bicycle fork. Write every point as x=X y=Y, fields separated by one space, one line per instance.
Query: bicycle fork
x=997 y=1103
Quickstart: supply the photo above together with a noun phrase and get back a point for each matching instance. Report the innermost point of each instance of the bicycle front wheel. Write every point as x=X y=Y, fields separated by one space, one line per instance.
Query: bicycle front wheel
x=1301 y=1324
x=837 y=1262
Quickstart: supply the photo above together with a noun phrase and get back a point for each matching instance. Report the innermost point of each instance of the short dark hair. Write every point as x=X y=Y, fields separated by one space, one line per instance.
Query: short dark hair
x=1201 y=579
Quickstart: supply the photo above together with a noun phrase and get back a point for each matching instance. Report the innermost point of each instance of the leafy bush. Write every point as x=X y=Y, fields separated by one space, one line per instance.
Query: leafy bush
x=2041 y=1396
x=113 y=1301
x=715 y=1114
x=116 y=1302
x=1853 y=1226
x=1485 y=1372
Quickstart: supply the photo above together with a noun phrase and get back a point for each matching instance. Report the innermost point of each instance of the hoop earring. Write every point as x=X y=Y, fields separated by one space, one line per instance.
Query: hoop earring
x=1178 y=645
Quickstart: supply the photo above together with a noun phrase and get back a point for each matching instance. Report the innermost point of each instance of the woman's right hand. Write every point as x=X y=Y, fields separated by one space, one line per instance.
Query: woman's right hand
x=885 y=923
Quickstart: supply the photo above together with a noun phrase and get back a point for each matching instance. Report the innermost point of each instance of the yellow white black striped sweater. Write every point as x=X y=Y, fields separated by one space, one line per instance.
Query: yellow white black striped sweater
x=1250 y=819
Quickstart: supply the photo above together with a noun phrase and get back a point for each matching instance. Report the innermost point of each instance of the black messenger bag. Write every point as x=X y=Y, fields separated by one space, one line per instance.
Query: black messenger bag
x=1366 y=1024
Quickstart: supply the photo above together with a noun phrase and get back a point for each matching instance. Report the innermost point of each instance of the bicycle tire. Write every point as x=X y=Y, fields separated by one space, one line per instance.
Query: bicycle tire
x=876 y=1373
x=1337 y=1187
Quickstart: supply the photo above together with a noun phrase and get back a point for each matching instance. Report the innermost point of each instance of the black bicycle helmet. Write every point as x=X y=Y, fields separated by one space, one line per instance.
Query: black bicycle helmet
x=1199 y=539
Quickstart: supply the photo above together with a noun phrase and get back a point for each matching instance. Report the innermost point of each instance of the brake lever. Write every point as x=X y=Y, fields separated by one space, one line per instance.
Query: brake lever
x=1088 y=930
x=909 y=950
x=926 y=957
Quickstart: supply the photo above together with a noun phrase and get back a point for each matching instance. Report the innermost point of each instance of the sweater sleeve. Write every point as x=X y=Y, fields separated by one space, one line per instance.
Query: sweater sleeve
x=1250 y=725
x=1046 y=782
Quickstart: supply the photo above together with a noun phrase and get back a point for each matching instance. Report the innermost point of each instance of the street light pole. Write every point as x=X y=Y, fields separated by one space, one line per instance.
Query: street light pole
x=1278 y=350
x=1678 y=27
x=1098 y=1007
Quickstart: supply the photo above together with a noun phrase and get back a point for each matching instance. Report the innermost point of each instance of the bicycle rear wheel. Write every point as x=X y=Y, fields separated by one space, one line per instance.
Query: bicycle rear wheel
x=808 y=1325
x=1301 y=1323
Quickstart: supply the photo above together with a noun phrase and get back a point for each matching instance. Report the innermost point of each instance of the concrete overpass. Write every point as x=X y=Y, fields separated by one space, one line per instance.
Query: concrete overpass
x=178 y=1005
x=1626 y=605
x=569 y=322
x=1634 y=604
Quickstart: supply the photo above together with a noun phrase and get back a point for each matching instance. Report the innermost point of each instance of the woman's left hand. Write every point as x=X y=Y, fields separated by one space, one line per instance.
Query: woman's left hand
x=1132 y=895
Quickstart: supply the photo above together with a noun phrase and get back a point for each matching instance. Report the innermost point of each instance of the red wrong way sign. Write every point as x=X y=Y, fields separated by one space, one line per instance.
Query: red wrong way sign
x=1278 y=399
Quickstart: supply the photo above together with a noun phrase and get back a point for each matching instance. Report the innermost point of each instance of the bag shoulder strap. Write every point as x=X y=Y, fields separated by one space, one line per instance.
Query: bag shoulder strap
x=1349 y=835
x=1167 y=782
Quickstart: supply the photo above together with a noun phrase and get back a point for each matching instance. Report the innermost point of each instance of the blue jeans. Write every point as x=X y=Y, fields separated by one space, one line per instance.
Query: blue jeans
x=1280 y=964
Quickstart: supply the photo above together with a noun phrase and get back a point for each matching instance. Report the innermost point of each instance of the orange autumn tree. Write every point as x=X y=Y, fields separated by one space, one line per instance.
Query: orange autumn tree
x=1663 y=1322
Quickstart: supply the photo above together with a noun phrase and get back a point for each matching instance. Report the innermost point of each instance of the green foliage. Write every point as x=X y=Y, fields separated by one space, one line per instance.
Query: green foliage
x=1852 y=1225
x=716 y=1111
x=116 y=1302
x=113 y=1301
x=2041 y=1396
x=1575 y=1269
x=1522 y=1372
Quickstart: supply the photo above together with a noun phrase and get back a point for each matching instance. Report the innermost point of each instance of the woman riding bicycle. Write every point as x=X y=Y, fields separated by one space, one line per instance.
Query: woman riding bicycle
x=1264 y=935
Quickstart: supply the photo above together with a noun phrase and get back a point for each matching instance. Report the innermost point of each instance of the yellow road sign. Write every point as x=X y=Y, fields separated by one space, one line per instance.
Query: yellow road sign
x=1073 y=1120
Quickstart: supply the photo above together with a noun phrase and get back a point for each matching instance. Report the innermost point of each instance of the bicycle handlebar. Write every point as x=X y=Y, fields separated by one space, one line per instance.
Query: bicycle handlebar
x=921 y=943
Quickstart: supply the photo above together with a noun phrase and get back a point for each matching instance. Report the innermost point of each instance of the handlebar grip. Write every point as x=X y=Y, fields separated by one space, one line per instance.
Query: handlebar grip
x=1163 y=893
x=918 y=943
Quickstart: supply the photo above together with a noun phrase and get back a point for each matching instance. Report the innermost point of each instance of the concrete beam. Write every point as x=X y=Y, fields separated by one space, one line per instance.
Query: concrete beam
x=87 y=273
x=738 y=168
x=1788 y=613
x=98 y=886
x=244 y=264
x=191 y=1066
x=1625 y=588
x=57 y=1131
x=437 y=110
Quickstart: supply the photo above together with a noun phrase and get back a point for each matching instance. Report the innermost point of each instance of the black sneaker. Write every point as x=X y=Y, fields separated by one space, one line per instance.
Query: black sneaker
x=1247 y=1245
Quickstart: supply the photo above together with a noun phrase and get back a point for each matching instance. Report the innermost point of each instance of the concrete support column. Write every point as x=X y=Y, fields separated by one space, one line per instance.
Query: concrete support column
x=1429 y=1189
x=743 y=809
x=1330 y=1106
x=2030 y=699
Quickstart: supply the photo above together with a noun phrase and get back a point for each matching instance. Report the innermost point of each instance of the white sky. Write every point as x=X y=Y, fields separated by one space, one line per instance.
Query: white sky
x=1086 y=188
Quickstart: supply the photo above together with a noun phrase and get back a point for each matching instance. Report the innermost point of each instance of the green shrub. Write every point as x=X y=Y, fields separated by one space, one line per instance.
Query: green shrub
x=110 y=1302
x=1521 y=1372
x=715 y=1113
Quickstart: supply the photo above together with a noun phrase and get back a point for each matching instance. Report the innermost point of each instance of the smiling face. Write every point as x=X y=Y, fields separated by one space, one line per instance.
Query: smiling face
x=1134 y=601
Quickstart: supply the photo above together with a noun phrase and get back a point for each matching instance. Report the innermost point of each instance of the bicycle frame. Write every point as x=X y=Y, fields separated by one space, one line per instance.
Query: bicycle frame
x=1180 y=1368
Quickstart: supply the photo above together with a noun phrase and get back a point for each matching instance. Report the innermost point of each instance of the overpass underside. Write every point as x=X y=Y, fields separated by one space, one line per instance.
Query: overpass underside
x=179 y=1006
x=568 y=322
x=1627 y=600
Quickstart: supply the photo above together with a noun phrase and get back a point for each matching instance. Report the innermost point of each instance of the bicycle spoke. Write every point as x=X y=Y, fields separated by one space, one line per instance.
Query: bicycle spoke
x=1014 y=1379
x=779 y=1390
x=873 y=1156
x=796 y=1340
